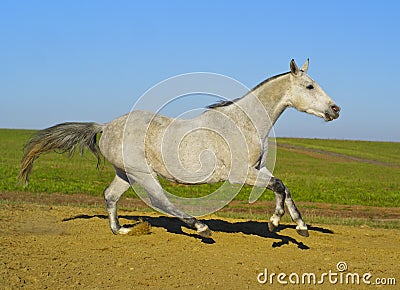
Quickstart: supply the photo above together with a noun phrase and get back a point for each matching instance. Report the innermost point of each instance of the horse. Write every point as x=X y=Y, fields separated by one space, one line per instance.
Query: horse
x=227 y=142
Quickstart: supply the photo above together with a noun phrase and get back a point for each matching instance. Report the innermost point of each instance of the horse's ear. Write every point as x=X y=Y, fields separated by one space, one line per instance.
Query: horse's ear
x=304 y=68
x=293 y=67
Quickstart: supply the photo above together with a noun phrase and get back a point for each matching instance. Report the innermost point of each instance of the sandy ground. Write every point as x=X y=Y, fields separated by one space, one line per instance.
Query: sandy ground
x=63 y=247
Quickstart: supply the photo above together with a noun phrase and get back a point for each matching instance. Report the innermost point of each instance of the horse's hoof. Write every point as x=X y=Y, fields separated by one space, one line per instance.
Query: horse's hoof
x=302 y=232
x=205 y=233
x=123 y=231
x=271 y=227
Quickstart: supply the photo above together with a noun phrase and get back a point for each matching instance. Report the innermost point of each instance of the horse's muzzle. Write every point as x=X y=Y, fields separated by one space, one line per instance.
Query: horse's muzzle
x=332 y=113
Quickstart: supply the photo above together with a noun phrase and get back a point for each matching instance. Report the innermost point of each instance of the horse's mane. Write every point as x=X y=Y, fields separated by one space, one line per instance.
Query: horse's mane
x=224 y=103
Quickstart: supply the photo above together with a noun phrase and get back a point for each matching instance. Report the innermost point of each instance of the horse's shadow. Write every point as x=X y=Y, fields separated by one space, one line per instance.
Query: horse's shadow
x=174 y=225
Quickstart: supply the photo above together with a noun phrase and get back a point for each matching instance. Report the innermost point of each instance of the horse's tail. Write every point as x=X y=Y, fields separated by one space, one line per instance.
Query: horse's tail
x=65 y=137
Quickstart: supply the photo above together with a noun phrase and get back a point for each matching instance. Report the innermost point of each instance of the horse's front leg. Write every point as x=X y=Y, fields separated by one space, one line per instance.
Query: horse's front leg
x=263 y=178
x=278 y=188
x=282 y=195
x=295 y=214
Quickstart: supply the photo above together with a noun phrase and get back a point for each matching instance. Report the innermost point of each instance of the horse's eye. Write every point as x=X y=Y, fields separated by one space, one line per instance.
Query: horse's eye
x=310 y=87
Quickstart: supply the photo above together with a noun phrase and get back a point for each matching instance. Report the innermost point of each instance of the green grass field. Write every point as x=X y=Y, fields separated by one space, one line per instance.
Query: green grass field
x=314 y=176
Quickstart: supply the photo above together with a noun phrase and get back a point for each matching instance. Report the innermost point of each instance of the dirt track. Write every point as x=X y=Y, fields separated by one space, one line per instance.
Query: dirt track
x=60 y=247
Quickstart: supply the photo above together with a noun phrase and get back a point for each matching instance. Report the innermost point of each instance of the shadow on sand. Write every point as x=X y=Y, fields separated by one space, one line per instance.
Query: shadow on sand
x=174 y=225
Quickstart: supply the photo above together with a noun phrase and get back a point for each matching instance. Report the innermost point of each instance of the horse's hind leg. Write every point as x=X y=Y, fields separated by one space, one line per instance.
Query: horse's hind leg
x=282 y=195
x=158 y=199
x=111 y=195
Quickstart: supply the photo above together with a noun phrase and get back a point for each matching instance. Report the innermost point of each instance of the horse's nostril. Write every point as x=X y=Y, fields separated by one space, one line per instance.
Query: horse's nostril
x=335 y=108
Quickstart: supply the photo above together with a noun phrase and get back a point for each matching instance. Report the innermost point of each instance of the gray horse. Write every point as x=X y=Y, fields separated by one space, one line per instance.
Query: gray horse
x=227 y=142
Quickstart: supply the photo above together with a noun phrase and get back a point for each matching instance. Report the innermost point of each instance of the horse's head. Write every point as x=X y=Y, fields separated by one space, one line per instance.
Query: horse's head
x=307 y=96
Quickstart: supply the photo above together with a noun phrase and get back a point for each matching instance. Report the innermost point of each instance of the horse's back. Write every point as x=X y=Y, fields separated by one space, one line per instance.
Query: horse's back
x=123 y=138
x=191 y=151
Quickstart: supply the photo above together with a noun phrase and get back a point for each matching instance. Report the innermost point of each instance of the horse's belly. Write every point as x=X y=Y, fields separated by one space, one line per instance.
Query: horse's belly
x=190 y=157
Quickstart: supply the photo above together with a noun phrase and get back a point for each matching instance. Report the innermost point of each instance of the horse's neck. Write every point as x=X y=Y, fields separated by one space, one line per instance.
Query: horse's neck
x=263 y=105
x=273 y=96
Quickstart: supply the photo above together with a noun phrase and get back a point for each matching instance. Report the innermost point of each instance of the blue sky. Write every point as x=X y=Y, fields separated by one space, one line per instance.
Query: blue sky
x=91 y=60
